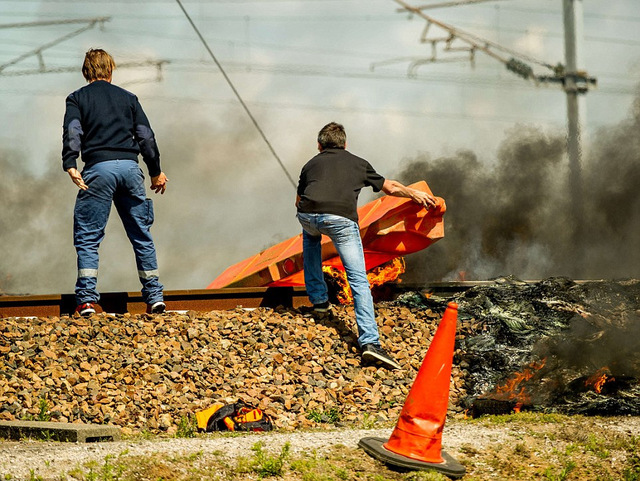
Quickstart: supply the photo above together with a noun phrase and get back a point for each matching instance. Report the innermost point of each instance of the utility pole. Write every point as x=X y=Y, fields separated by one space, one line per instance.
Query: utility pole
x=575 y=86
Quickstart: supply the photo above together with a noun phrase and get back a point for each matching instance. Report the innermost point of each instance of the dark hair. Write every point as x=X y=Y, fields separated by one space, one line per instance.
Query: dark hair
x=98 y=65
x=332 y=136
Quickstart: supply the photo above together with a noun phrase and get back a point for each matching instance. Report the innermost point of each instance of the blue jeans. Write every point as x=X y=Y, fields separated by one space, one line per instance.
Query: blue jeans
x=345 y=235
x=120 y=182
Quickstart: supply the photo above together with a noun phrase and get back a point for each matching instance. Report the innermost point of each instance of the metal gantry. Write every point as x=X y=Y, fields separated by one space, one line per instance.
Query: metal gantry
x=87 y=24
x=457 y=40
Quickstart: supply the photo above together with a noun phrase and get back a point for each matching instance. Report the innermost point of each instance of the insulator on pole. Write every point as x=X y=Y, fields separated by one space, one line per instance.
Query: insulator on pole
x=519 y=68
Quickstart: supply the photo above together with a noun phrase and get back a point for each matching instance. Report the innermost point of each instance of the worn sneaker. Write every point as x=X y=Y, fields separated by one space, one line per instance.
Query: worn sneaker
x=86 y=309
x=320 y=310
x=156 y=308
x=374 y=354
x=322 y=307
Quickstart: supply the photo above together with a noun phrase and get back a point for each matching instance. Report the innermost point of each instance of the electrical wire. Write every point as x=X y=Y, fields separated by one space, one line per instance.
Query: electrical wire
x=237 y=94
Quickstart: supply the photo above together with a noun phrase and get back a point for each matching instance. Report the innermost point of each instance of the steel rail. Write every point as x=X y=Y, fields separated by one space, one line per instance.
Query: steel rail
x=195 y=299
x=131 y=302
x=213 y=299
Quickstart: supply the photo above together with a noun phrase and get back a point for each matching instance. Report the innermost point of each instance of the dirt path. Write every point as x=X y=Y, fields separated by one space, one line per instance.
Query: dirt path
x=50 y=459
x=496 y=448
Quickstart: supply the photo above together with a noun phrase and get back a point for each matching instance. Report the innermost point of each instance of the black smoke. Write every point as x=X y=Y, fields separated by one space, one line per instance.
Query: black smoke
x=514 y=215
x=36 y=246
x=222 y=182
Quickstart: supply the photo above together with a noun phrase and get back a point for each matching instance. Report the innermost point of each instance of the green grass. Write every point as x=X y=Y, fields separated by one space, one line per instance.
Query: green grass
x=330 y=416
x=562 y=474
x=42 y=414
x=187 y=427
x=265 y=465
x=34 y=477
x=521 y=418
x=632 y=470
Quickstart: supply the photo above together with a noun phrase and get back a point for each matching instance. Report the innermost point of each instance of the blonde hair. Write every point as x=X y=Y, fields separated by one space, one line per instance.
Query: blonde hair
x=98 y=65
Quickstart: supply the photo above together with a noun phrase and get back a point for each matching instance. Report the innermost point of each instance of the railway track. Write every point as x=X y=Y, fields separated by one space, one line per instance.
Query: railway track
x=197 y=300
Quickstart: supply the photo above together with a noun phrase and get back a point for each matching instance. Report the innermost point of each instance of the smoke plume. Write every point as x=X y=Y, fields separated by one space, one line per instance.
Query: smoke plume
x=512 y=216
x=222 y=182
x=505 y=216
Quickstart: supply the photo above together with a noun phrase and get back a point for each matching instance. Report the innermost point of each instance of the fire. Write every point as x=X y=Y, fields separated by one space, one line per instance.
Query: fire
x=512 y=389
x=377 y=276
x=597 y=380
x=388 y=272
x=340 y=277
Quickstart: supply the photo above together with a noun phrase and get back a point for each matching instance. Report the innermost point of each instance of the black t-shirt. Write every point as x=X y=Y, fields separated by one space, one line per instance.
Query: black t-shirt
x=331 y=182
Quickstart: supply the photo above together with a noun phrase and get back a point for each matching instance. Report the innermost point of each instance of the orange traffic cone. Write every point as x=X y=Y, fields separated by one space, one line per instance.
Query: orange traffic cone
x=416 y=441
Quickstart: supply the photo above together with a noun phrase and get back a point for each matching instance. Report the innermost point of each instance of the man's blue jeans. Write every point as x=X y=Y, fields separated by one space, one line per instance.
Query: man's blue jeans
x=120 y=182
x=345 y=235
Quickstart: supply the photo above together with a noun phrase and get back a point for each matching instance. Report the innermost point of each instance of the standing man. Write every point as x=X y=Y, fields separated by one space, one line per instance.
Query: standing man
x=327 y=204
x=107 y=126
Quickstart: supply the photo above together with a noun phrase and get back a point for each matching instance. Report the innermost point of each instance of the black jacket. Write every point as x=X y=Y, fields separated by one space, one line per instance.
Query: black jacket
x=331 y=182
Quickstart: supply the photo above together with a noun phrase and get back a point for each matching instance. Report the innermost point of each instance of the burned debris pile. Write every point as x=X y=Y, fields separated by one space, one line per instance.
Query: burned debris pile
x=551 y=345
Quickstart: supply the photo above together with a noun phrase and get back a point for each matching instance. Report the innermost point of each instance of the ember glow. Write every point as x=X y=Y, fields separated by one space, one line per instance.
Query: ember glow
x=388 y=272
x=597 y=380
x=378 y=276
x=513 y=388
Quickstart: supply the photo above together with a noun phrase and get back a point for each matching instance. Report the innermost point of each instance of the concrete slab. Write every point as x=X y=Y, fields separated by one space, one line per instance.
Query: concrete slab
x=50 y=431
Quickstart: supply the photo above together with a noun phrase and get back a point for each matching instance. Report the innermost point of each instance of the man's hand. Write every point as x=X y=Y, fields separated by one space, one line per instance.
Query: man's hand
x=422 y=198
x=159 y=183
x=76 y=178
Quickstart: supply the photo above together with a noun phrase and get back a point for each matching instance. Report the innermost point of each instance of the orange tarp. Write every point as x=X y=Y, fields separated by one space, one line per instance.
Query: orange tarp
x=389 y=226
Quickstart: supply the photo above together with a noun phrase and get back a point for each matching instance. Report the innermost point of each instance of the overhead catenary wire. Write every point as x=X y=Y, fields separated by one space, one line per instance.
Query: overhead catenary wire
x=237 y=94
x=45 y=23
x=90 y=23
x=450 y=4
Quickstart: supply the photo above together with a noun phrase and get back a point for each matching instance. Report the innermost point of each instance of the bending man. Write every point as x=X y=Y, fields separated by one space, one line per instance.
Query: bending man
x=327 y=204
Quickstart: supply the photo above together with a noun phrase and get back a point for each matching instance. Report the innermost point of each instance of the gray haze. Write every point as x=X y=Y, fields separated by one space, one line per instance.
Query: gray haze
x=512 y=216
x=487 y=141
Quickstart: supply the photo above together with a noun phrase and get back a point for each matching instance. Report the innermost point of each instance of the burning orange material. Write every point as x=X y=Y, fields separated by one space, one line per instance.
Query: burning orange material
x=376 y=277
x=512 y=389
x=597 y=380
x=344 y=290
x=387 y=273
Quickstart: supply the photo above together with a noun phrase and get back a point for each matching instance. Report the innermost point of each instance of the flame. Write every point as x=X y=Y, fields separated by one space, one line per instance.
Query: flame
x=388 y=272
x=377 y=276
x=511 y=389
x=340 y=277
x=597 y=380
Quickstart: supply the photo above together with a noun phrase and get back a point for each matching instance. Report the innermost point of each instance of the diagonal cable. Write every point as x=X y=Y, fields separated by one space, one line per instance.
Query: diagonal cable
x=38 y=51
x=226 y=77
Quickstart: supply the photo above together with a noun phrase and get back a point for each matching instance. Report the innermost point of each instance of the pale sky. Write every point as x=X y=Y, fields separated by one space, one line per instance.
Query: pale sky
x=298 y=64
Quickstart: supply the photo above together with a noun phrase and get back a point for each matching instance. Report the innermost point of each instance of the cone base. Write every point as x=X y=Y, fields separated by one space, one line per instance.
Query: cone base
x=374 y=448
